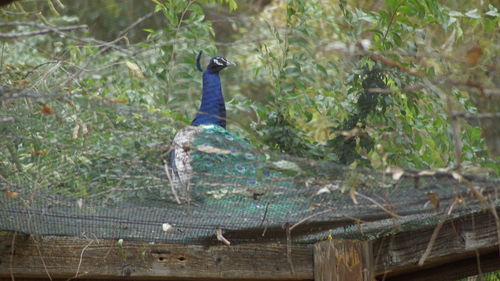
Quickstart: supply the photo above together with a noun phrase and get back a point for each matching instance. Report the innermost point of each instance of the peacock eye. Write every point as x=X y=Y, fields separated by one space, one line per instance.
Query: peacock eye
x=216 y=61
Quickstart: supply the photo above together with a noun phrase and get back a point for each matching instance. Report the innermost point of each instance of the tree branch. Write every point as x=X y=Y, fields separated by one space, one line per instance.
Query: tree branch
x=45 y=30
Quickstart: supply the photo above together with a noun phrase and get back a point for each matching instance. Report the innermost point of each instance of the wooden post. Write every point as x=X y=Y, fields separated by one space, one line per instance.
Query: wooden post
x=343 y=260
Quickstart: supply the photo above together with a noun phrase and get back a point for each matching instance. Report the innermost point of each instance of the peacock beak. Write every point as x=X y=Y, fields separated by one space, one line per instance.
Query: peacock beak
x=230 y=63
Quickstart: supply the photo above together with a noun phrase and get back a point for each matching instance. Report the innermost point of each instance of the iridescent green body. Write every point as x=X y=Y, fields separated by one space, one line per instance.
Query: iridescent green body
x=226 y=168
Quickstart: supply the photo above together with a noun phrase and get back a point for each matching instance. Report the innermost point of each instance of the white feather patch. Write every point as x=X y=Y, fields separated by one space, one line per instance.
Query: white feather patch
x=183 y=171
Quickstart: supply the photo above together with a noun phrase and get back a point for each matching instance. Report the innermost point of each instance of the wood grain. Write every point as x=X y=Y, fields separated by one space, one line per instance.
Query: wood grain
x=343 y=260
x=458 y=247
x=459 y=239
x=63 y=257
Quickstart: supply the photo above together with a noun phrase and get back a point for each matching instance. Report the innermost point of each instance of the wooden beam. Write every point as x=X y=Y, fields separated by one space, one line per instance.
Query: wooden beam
x=343 y=260
x=458 y=240
x=395 y=257
x=64 y=257
x=481 y=263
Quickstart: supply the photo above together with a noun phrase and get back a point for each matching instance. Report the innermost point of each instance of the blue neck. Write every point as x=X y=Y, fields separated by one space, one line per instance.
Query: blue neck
x=212 y=109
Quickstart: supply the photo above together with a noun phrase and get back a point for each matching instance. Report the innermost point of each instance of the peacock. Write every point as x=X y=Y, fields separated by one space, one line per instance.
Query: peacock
x=212 y=113
x=210 y=164
x=223 y=173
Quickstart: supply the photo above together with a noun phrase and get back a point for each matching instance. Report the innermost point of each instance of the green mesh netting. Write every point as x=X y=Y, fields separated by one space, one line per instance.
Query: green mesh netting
x=247 y=194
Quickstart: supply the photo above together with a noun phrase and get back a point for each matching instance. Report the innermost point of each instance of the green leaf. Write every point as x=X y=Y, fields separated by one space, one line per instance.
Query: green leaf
x=392 y=4
x=455 y=14
x=473 y=14
x=433 y=6
x=322 y=69
x=493 y=11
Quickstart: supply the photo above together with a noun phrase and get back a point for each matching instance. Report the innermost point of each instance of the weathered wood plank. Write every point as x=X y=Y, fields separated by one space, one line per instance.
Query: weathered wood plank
x=64 y=257
x=343 y=260
x=395 y=256
x=458 y=240
x=455 y=270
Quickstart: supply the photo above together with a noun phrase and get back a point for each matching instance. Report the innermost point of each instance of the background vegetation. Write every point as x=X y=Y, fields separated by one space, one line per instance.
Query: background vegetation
x=412 y=84
x=92 y=92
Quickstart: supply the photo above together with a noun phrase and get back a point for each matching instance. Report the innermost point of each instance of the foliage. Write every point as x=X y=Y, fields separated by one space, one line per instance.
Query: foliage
x=492 y=276
x=304 y=86
x=105 y=111
x=317 y=94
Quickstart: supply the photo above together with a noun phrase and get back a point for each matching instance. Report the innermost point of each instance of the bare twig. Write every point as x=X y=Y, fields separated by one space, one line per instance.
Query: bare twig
x=488 y=115
x=179 y=26
x=9 y=183
x=48 y=29
x=38 y=66
x=458 y=177
x=170 y=180
x=43 y=31
x=81 y=259
x=264 y=217
x=391 y=20
x=221 y=238
x=390 y=91
x=19 y=23
x=288 y=231
x=392 y=63
x=12 y=248
x=107 y=45
x=394 y=215
x=456 y=139
x=134 y=24
x=497 y=221
x=41 y=258
x=14 y=157
x=478 y=262
x=110 y=44
x=7 y=120
x=436 y=232
x=310 y=217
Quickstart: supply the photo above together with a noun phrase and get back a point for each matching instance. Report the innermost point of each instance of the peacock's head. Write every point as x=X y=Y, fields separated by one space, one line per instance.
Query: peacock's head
x=218 y=63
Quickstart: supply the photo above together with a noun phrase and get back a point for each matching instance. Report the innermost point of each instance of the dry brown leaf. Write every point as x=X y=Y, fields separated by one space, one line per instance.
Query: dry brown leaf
x=313 y=206
x=45 y=109
x=168 y=228
x=352 y=193
x=79 y=202
x=134 y=69
x=457 y=176
x=110 y=100
x=397 y=172
x=10 y=194
x=351 y=133
x=434 y=198
x=76 y=129
x=37 y=153
x=473 y=55
x=21 y=84
x=118 y=100
x=322 y=190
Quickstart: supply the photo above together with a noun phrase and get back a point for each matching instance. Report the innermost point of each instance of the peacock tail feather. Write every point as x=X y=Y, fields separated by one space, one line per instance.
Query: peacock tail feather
x=229 y=170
